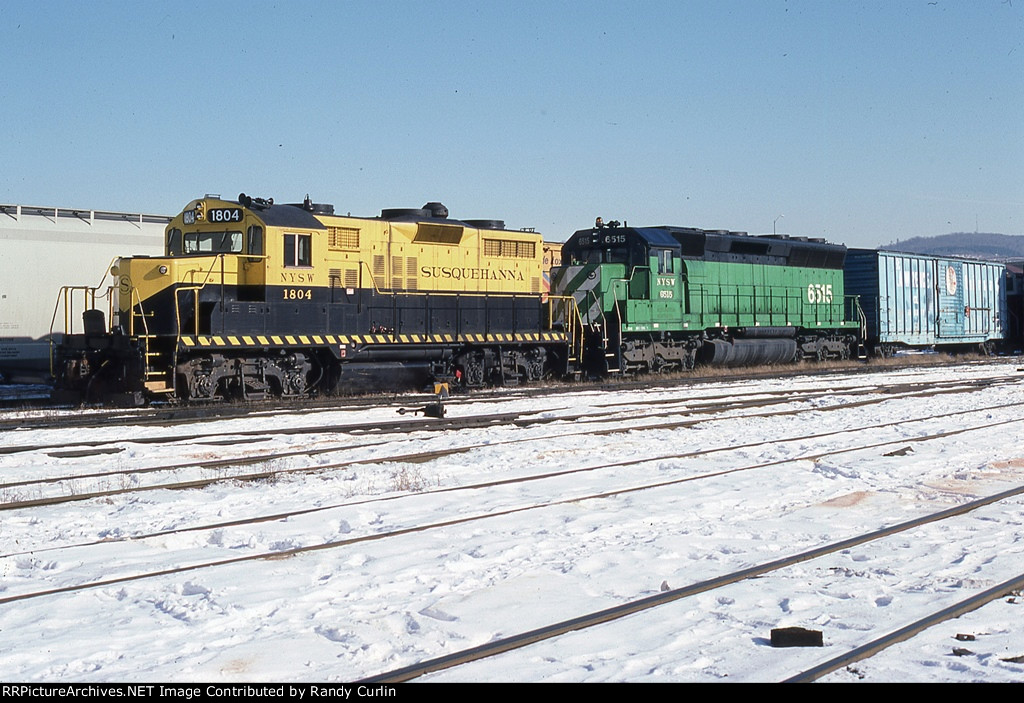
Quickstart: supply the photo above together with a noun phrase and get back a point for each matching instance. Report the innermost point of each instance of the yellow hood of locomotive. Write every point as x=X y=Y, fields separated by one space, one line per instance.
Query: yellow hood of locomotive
x=141 y=278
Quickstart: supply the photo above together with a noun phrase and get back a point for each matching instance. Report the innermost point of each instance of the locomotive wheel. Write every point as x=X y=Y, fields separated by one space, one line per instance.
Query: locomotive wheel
x=473 y=371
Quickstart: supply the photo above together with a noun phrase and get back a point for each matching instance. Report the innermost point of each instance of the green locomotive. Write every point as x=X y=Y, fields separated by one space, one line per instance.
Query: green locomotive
x=666 y=298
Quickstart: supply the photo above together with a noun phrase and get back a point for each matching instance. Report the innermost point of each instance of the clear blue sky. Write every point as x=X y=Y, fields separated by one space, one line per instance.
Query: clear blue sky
x=859 y=121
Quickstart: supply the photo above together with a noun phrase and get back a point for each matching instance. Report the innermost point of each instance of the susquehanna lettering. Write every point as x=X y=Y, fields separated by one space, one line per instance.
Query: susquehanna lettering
x=473 y=274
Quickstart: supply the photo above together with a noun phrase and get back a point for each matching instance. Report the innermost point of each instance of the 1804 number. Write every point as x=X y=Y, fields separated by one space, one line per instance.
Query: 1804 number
x=225 y=214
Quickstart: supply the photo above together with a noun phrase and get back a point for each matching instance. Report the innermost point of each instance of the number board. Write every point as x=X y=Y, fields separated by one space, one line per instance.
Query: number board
x=609 y=239
x=225 y=214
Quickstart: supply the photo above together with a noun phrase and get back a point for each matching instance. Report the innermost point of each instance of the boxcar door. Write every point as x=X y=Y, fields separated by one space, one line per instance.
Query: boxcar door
x=950 y=296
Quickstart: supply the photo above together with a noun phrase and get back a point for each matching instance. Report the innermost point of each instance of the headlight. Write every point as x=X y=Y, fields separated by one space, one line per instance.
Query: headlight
x=162 y=269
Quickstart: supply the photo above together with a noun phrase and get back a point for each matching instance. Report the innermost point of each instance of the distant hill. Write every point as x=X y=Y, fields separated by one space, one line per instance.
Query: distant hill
x=975 y=245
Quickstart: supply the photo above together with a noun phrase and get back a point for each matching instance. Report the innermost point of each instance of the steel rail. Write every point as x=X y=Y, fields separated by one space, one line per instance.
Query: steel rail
x=600 y=617
x=170 y=414
x=904 y=633
x=419 y=457
x=525 y=508
x=946 y=387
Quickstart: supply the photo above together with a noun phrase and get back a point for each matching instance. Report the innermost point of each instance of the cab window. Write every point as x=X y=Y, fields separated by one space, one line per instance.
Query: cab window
x=665 y=261
x=298 y=250
x=212 y=243
x=254 y=241
x=174 y=242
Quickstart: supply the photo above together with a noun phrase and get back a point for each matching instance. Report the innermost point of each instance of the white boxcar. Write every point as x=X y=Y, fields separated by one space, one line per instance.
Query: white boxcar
x=45 y=248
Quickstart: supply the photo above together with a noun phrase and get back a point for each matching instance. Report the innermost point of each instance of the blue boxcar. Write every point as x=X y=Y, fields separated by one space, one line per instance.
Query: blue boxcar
x=911 y=300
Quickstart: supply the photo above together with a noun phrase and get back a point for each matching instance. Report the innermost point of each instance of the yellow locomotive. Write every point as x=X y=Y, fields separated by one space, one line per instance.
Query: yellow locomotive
x=254 y=298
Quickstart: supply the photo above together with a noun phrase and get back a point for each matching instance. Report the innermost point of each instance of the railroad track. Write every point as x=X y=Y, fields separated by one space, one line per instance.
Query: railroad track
x=712 y=403
x=210 y=539
x=601 y=617
x=633 y=607
x=501 y=511
x=420 y=457
x=696 y=413
x=38 y=414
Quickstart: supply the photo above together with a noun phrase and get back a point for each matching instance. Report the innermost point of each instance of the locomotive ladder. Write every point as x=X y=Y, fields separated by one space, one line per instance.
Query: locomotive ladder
x=564 y=311
x=154 y=371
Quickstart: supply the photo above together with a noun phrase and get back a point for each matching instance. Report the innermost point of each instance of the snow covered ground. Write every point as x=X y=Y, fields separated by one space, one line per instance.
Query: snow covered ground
x=604 y=518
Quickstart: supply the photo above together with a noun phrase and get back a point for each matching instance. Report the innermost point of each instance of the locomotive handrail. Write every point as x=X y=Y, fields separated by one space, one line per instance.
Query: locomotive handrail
x=862 y=319
x=573 y=316
x=133 y=300
x=89 y=297
x=196 y=287
x=107 y=272
x=200 y=285
x=618 y=313
x=62 y=296
x=177 y=309
x=573 y=322
x=209 y=271
x=66 y=297
x=792 y=298
x=373 y=280
x=177 y=331
x=206 y=274
x=591 y=294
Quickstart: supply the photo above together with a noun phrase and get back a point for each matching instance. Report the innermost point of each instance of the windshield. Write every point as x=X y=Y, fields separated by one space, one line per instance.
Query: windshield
x=212 y=242
x=616 y=255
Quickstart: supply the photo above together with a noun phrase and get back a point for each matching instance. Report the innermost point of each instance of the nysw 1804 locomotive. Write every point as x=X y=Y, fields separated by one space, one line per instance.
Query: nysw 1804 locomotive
x=254 y=298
